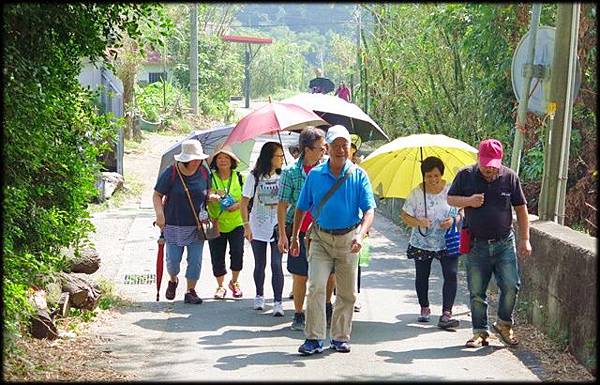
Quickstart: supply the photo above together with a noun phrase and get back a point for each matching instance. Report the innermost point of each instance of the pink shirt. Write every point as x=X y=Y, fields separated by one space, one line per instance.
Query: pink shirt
x=344 y=93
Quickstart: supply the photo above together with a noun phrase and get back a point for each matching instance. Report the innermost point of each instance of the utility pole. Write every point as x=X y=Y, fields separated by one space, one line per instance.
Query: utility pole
x=194 y=59
x=561 y=95
x=358 y=58
x=247 y=77
x=524 y=102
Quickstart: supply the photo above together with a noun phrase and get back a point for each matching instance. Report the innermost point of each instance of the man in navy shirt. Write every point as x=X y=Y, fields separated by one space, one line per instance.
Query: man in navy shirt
x=336 y=238
x=488 y=190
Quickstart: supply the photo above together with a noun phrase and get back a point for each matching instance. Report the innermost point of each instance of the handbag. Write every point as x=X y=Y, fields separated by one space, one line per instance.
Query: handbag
x=465 y=241
x=212 y=225
x=452 y=237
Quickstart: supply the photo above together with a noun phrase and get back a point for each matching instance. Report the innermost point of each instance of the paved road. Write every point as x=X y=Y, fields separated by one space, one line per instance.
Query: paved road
x=228 y=340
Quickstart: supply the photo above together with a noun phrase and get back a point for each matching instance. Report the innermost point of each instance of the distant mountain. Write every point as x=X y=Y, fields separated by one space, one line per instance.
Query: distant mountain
x=299 y=17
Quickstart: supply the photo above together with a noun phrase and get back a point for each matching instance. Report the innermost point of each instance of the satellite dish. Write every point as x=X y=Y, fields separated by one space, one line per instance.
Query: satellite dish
x=539 y=90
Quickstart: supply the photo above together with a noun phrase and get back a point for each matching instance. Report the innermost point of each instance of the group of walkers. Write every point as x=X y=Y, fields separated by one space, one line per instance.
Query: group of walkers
x=319 y=210
x=322 y=85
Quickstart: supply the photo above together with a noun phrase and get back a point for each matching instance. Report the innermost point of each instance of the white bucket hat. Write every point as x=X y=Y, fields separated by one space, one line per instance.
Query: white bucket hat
x=225 y=150
x=190 y=150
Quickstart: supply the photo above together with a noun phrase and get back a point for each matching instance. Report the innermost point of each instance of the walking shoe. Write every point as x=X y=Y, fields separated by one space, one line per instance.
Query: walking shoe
x=235 y=289
x=478 y=340
x=220 y=293
x=357 y=307
x=340 y=346
x=191 y=297
x=328 y=313
x=298 y=322
x=311 y=347
x=291 y=296
x=259 y=302
x=277 y=309
x=170 y=294
x=425 y=312
x=447 y=322
x=506 y=332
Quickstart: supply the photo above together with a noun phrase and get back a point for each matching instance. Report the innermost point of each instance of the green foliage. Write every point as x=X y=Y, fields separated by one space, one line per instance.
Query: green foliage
x=532 y=164
x=150 y=100
x=53 y=135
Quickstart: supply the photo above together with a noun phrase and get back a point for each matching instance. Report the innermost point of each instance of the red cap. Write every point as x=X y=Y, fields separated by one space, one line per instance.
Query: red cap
x=490 y=153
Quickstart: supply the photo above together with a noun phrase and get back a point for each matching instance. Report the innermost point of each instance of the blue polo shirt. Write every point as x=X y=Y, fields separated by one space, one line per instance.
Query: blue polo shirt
x=347 y=204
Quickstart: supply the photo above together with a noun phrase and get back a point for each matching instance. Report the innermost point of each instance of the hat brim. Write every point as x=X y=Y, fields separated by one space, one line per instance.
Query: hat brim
x=490 y=162
x=231 y=155
x=331 y=140
x=189 y=157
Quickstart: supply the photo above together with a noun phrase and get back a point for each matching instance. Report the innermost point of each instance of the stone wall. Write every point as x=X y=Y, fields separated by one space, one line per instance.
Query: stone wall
x=559 y=287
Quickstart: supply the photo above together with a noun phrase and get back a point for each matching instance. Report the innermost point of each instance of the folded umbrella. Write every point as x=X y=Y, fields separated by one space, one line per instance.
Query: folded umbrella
x=336 y=110
x=159 y=263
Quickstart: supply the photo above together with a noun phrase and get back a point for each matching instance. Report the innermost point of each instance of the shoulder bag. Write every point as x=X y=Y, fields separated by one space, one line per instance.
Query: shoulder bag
x=212 y=226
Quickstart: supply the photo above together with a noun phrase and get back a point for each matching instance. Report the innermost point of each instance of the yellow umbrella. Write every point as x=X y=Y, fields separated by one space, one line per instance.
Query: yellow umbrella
x=395 y=168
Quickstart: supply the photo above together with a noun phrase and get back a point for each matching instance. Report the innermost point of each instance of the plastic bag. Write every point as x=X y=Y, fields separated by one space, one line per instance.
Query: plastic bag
x=364 y=255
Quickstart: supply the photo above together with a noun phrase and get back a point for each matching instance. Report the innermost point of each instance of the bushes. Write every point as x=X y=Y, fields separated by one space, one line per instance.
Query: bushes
x=53 y=136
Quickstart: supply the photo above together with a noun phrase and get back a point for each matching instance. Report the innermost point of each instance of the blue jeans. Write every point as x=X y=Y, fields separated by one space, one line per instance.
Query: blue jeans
x=194 y=259
x=484 y=259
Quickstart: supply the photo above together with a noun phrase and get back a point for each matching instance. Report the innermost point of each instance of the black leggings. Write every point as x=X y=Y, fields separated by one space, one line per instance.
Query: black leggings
x=260 y=263
x=218 y=246
x=449 y=269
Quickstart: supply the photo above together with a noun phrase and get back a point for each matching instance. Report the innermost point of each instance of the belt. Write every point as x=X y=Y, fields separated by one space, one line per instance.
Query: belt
x=337 y=231
x=492 y=241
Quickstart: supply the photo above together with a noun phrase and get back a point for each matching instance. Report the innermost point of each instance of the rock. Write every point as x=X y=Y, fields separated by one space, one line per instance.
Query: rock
x=107 y=184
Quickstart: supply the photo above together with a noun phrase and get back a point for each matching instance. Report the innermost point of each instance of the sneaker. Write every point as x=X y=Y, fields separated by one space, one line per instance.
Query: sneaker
x=220 y=293
x=170 y=294
x=340 y=346
x=311 y=347
x=328 y=313
x=424 y=317
x=291 y=296
x=447 y=322
x=298 y=322
x=192 y=297
x=259 y=302
x=357 y=307
x=235 y=289
x=506 y=332
x=277 y=309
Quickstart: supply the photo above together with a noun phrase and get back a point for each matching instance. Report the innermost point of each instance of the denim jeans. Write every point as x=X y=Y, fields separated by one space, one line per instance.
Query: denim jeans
x=484 y=259
x=194 y=259
x=260 y=263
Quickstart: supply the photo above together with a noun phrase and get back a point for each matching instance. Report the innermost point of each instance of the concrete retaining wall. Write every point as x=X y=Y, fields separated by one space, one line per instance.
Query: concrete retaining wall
x=559 y=287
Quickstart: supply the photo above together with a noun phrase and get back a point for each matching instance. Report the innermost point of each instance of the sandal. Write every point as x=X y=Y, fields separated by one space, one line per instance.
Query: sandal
x=477 y=341
x=506 y=332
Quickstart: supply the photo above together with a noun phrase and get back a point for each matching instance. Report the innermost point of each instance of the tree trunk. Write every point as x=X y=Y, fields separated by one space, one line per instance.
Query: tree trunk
x=83 y=292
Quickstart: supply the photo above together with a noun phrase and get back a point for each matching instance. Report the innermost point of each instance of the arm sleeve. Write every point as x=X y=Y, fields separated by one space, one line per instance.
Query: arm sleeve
x=248 y=190
x=517 y=197
x=458 y=183
x=367 y=201
x=163 y=183
x=409 y=203
x=304 y=200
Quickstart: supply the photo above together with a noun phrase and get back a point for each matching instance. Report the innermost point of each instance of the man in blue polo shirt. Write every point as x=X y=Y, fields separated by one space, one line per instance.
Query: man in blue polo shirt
x=487 y=191
x=336 y=238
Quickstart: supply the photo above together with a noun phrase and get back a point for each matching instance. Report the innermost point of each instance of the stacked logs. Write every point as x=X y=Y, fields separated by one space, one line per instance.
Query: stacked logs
x=78 y=291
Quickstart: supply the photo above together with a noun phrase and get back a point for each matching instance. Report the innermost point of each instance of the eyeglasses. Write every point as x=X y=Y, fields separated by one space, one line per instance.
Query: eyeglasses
x=279 y=155
x=322 y=149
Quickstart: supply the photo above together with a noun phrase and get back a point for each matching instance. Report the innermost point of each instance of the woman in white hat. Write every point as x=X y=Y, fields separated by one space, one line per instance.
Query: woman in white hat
x=225 y=196
x=175 y=217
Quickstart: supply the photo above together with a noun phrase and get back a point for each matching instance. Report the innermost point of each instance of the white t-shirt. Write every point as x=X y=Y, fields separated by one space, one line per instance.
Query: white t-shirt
x=263 y=216
x=437 y=210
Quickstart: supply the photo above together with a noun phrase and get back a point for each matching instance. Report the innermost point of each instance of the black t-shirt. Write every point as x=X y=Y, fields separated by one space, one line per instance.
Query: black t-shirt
x=493 y=220
x=177 y=207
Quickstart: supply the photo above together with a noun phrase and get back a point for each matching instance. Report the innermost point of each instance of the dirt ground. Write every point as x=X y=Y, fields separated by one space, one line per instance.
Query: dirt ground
x=77 y=359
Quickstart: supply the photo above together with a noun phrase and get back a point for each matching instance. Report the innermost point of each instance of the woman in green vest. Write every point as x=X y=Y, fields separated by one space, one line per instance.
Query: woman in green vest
x=224 y=205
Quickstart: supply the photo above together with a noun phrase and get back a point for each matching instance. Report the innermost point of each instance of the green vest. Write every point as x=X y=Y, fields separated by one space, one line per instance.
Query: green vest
x=228 y=220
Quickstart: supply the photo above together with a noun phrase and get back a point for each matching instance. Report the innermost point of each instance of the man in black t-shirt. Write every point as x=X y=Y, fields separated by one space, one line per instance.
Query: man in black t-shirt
x=320 y=84
x=488 y=191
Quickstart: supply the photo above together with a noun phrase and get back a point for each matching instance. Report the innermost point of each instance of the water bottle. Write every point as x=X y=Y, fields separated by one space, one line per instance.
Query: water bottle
x=203 y=215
